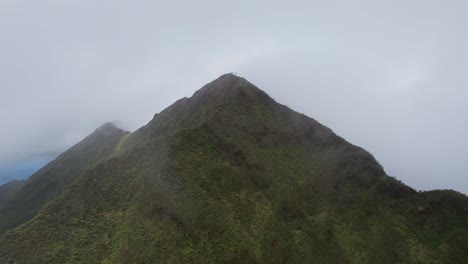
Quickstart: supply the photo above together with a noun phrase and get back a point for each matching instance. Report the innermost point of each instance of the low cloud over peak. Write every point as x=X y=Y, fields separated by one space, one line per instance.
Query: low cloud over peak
x=388 y=77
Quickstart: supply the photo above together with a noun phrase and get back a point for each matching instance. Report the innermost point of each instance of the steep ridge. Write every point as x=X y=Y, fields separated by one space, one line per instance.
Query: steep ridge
x=50 y=181
x=190 y=112
x=231 y=176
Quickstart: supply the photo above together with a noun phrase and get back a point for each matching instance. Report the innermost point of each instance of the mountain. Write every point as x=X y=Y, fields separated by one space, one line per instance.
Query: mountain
x=8 y=190
x=231 y=176
x=51 y=181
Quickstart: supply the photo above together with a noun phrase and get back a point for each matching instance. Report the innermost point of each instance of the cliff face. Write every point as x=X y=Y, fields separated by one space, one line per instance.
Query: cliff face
x=231 y=176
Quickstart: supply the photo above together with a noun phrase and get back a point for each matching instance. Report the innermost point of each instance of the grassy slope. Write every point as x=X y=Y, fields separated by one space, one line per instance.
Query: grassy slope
x=55 y=177
x=241 y=180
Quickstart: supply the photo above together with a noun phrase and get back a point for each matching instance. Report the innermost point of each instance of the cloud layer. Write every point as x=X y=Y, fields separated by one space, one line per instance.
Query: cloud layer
x=388 y=77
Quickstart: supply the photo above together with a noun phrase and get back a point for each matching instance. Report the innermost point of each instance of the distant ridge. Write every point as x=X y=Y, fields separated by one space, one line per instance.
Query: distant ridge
x=52 y=180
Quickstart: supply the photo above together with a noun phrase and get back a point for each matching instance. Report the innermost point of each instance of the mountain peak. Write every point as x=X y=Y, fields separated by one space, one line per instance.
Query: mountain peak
x=229 y=85
x=108 y=127
x=228 y=88
x=226 y=176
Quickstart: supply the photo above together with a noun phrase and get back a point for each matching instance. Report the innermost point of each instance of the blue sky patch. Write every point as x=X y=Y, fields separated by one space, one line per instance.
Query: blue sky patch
x=20 y=170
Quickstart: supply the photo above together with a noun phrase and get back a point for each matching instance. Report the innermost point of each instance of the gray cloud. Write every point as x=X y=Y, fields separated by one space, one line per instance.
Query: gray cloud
x=386 y=76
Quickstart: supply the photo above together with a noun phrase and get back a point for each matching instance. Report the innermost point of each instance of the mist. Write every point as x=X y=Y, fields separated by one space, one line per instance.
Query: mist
x=389 y=77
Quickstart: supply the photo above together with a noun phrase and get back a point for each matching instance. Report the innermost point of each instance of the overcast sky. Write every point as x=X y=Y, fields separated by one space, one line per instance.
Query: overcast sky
x=390 y=76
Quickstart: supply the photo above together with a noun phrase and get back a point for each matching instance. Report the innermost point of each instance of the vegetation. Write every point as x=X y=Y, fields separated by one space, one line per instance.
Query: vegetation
x=231 y=176
x=22 y=202
x=8 y=190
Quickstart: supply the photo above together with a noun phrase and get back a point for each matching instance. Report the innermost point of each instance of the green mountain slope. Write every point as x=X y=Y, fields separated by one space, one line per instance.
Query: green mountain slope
x=231 y=176
x=50 y=181
x=8 y=190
